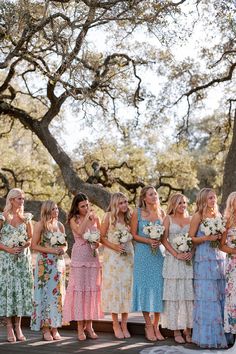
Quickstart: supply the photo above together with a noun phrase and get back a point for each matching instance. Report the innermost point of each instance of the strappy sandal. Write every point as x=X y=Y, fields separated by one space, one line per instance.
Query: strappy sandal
x=55 y=334
x=11 y=338
x=149 y=333
x=90 y=333
x=47 y=336
x=125 y=330
x=117 y=331
x=179 y=339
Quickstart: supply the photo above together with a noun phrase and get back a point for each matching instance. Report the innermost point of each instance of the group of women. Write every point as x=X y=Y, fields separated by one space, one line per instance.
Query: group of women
x=192 y=293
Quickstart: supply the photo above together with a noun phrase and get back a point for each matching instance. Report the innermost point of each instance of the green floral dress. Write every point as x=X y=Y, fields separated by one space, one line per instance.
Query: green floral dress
x=16 y=280
x=49 y=286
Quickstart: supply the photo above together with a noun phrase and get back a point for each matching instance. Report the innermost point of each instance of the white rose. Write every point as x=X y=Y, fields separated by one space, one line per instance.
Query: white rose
x=183 y=248
x=53 y=240
x=61 y=239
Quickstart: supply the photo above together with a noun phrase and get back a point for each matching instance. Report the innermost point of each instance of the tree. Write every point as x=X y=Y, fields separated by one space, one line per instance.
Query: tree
x=46 y=61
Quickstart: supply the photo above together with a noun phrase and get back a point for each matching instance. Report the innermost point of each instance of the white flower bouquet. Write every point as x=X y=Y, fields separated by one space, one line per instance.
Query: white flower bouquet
x=123 y=235
x=154 y=231
x=183 y=243
x=19 y=241
x=213 y=226
x=58 y=239
x=92 y=236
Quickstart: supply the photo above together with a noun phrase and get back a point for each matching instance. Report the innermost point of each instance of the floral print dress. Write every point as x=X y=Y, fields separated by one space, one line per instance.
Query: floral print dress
x=117 y=275
x=16 y=280
x=230 y=289
x=49 y=287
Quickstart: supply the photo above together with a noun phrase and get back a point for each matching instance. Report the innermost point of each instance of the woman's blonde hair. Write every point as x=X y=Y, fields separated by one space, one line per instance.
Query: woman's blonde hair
x=174 y=202
x=46 y=214
x=201 y=202
x=230 y=212
x=142 y=203
x=13 y=193
x=114 y=209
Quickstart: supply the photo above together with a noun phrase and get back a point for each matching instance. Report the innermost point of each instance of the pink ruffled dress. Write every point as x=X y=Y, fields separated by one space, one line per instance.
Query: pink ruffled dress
x=83 y=294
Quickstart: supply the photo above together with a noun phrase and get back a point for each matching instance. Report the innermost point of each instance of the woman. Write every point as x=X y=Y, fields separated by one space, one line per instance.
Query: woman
x=228 y=245
x=49 y=241
x=82 y=302
x=16 y=281
x=117 y=263
x=209 y=283
x=177 y=271
x=148 y=262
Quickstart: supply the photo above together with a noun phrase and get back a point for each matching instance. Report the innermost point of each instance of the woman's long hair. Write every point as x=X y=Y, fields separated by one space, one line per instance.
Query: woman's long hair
x=46 y=214
x=174 y=202
x=201 y=202
x=74 y=211
x=13 y=193
x=142 y=203
x=230 y=212
x=114 y=209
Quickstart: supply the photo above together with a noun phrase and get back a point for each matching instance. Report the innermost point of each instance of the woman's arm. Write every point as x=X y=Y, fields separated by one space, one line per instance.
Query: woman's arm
x=80 y=228
x=62 y=230
x=36 y=239
x=223 y=244
x=134 y=229
x=194 y=225
x=104 y=229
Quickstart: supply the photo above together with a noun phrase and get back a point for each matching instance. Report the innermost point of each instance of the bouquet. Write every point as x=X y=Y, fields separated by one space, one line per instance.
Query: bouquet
x=183 y=243
x=123 y=235
x=154 y=231
x=213 y=226
x=92 y=236
x=17 y=241
x=58 y=239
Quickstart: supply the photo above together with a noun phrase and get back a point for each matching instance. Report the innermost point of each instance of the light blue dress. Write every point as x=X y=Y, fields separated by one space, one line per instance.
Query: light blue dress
x=209 y=288
x=148 y=279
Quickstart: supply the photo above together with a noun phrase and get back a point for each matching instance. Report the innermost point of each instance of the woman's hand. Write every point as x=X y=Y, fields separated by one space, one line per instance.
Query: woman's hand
x=15 y=250
x=213 y=237
x=59 y=251
x=154 y=243
x=94 y=245
x=182 y=256
x=119 y=248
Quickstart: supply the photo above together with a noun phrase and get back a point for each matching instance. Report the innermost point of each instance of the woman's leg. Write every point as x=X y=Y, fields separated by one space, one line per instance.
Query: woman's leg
x=19 y=334
x=124 y=318
x=116 y=326
x=89 y=330
x=81 y=334
x=10 y=331
x=55 y=334
x=158 y=334
x=187 y=333
x=47 y=334
x=149 y=330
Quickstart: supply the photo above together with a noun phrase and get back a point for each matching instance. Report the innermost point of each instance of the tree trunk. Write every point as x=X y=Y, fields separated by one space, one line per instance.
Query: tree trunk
x=229 y=179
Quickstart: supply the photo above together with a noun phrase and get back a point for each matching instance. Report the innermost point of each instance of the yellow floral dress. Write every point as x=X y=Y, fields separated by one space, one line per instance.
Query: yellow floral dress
x=117 y=275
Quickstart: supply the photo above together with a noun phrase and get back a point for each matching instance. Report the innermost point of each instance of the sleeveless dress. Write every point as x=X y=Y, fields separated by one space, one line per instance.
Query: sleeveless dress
x=230 y=290
x=49 y=287
x=178 y=286
x=117 y=276
x=16 y=279
x=83 y=294
x=148 y=279
x=209 y=288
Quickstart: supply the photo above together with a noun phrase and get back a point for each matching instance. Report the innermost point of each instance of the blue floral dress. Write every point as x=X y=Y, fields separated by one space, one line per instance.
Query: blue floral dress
x=49 y=288
x=148 y=279
x=209 y=288
x=16 y=280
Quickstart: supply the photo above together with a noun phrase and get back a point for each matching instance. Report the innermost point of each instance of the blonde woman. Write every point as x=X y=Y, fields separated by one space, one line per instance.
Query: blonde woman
x=228 y=245
x=49 y=241
x=177 y=273
x=16 y=281
x=148 y=279
x=117 y=263
x=209 y=282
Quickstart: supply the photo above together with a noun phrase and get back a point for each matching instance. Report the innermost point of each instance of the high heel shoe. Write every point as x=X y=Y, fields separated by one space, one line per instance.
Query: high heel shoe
x=55 y=334
x=125 y=330
x=11 y=338
x=158 y=334
x=81 y=334
x=117 y=331
x=188 y=337
x=47 y=336
x=90 y=333
x=149 y=333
